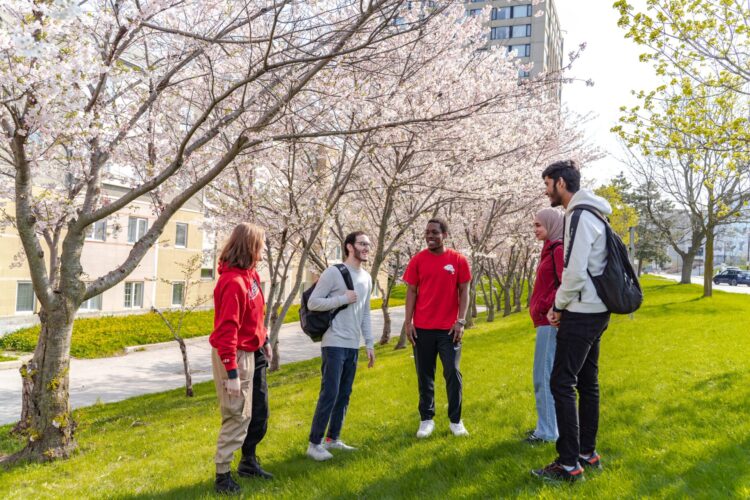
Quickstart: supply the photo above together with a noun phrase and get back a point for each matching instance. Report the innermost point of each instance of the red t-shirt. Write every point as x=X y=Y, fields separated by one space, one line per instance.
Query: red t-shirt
x=437 y=278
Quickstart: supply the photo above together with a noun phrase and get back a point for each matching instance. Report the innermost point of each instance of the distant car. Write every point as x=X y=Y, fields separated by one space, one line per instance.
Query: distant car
x=733 y=277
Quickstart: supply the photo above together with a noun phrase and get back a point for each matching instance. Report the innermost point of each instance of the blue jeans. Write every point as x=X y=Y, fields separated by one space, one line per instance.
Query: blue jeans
x=339 y=365
x=544 y=356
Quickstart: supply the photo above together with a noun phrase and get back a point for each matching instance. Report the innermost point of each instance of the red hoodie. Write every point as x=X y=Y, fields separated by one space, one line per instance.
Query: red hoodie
x=238 y=314
x=545 y=285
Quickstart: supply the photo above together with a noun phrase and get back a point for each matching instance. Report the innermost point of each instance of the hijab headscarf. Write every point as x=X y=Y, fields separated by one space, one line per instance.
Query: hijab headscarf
x=553 y=221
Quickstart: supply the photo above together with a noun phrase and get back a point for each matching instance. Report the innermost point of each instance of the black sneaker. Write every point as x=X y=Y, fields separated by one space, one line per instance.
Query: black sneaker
x=534 y=439
x=556 y=472
x=225 y=485
x=593 y=462
x=250 y=467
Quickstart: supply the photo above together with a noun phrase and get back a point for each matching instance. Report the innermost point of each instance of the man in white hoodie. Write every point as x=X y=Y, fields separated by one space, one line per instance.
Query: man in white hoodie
x=581 y=318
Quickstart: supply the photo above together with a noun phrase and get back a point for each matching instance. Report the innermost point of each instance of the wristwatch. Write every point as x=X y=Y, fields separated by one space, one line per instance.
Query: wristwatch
x=461 y=322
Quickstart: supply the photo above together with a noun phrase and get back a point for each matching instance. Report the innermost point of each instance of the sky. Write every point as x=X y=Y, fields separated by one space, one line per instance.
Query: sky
x=611 y=61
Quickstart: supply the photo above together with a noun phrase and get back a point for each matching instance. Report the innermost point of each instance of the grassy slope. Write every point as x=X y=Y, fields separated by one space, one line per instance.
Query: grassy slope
x=109 y=335
x=675 y=392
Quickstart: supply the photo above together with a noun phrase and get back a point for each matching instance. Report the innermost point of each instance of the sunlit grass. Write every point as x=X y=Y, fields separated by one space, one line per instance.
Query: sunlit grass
x=674 y=423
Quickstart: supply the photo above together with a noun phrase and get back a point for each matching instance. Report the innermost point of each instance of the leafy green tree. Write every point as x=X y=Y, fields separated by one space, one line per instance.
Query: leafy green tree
x=695 y=138
x=704 y=41
x=624 y=215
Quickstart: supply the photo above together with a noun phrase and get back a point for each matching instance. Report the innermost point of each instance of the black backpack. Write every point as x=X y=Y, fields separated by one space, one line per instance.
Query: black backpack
x=618 y=285
x=316 y=323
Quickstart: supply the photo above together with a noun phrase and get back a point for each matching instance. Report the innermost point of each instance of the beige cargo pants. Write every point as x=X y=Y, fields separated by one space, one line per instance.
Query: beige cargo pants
x=235 y=411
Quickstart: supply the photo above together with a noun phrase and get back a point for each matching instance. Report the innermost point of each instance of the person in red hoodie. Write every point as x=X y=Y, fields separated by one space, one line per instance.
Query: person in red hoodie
x=238 y=333
x=548 y=227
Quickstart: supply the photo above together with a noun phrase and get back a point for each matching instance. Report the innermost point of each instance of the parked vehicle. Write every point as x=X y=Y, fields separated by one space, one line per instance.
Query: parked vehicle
x=733 y=277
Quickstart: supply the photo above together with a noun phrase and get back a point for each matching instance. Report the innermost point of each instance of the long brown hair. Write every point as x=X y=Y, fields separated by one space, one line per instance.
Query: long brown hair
x=243 y=248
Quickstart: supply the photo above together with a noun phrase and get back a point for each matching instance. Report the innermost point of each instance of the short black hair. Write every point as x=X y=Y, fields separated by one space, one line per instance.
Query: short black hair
x=441 y=222
x=567 y=170
x=351 y=239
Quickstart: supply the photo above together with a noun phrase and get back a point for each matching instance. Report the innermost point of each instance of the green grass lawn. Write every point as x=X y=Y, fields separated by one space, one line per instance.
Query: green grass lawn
x=674 y=422
x=110 y=335
x=5 y=357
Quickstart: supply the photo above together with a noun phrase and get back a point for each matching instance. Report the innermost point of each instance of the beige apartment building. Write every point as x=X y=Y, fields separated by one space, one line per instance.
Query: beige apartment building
x=532 y=31
x=158 y=280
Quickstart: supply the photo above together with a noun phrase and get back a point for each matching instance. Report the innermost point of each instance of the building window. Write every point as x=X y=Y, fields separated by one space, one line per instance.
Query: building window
x=523 y=73
x=208 y=265
x=500 y=32
x=178 y=293
x=97 y=231
x=500 y=13
x=133 y=294
x=25 y=298
x=523 y=50
x=181 y=235
x=521 y=30
x=92 y=304
x=474 y=12
x=521 y=11
x=137 y=227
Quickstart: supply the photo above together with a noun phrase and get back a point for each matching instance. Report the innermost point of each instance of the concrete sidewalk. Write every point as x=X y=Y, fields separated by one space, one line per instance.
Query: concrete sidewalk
x=158 y=367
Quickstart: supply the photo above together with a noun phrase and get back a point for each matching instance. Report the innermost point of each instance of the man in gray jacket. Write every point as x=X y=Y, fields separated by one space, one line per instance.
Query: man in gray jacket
x=340 y=344
x=581 y=318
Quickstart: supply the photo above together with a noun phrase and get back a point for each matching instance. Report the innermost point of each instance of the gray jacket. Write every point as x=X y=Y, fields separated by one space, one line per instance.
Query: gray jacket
x=589 y=253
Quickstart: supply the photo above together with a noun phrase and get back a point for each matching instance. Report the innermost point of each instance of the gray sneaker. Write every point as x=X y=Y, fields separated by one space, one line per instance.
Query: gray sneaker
x=337 y=444
x=318 y=453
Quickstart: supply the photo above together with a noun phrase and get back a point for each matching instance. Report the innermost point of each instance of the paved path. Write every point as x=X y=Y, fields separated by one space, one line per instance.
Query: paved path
x=158 y=368
x=698 y=280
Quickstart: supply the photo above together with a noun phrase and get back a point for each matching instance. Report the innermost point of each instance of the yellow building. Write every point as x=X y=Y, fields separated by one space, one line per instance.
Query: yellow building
x=158 y=281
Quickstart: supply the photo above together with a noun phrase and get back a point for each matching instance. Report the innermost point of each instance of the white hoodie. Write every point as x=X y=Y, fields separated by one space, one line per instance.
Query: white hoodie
x=589 y=253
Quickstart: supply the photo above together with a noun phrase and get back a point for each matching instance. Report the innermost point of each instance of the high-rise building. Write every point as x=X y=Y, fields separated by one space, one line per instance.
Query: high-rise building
x=532 y=31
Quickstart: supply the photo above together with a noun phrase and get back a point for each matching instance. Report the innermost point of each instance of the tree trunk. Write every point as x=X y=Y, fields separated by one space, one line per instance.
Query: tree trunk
x=51 y=428
x=708 y=259
x=386 y=337
x=402 y=338
x=506 y=299
x=488 y=302
x=472 y=305
x=27 y=386
x=275 y=361
x=186 y=367
x=687 y=268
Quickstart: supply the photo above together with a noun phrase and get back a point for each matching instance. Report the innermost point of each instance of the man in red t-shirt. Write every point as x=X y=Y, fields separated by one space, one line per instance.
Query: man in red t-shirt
x=436 y=302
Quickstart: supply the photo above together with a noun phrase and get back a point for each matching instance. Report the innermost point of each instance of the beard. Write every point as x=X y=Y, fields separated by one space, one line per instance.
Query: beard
x=555 y=200
x=358 y=256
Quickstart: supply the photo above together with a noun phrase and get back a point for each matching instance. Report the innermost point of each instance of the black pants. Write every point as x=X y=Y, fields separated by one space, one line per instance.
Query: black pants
x=430 y=344
x=258 y=425
x=576 y=366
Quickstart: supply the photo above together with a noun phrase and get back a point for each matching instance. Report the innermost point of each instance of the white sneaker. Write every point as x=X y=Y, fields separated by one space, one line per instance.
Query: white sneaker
x=337 y=444
x=459 y=429
x=425 y=428
x=317 y=452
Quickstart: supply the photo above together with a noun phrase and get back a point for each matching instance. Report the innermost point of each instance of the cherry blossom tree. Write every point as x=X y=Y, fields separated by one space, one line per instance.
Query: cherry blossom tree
x=161 y=96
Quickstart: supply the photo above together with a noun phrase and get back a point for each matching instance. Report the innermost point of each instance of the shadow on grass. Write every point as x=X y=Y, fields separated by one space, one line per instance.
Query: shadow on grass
x=721 y=474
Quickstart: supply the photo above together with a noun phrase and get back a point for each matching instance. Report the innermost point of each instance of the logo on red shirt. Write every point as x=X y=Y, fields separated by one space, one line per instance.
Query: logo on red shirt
x=450 y=269
x=254 y=290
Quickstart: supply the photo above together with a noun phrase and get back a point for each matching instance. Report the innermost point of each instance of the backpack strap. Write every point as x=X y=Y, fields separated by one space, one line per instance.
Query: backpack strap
x=574 y=220
x=346 y=275
x=349 y=284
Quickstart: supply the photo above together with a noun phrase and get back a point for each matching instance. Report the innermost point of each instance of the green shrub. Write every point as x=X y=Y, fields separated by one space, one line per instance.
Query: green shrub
x=110 y=335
